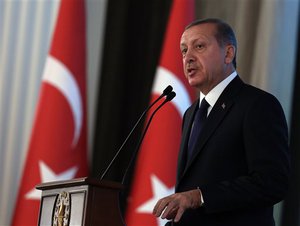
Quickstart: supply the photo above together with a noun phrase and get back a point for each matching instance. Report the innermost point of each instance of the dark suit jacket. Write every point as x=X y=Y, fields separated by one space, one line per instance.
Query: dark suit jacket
x=241 y=162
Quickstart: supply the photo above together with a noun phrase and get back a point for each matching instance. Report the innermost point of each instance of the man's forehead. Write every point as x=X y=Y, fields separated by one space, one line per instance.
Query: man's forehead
x=206 y=28
x=205 y=31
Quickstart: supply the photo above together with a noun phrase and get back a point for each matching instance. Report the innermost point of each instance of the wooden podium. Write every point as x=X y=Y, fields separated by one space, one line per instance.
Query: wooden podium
x=83 y=201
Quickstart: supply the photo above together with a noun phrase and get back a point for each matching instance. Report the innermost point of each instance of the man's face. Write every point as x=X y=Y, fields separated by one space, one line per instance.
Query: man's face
x=205 y=62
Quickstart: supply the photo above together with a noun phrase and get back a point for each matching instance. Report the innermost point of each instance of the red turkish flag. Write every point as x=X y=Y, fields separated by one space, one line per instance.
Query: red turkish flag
x=58 y=145
x=155 y=171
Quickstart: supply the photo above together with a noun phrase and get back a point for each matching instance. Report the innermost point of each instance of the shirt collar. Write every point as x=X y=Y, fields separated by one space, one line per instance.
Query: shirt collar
x=216 y=92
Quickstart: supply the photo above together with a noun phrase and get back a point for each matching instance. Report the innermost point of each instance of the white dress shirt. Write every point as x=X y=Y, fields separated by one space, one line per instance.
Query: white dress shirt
x=216 y=92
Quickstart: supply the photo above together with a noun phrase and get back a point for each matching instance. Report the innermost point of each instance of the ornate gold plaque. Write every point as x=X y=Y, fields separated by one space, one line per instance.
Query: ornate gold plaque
x=62 y=210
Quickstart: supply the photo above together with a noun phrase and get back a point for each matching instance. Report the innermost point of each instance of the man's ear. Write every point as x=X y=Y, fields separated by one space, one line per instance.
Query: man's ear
x=229 y=54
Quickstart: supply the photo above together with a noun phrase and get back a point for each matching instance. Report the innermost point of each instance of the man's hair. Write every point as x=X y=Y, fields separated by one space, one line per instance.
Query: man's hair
x=224 y=33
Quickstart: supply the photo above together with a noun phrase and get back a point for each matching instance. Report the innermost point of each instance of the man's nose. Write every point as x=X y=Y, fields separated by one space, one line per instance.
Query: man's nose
x=190 y=60
x=190 y=57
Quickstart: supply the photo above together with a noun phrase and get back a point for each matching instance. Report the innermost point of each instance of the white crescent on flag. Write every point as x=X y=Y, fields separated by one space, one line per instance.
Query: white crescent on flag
x=163 y=78
x=59 y=76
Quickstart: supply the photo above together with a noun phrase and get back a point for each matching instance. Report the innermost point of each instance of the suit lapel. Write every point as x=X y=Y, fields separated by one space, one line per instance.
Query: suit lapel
x=187 y=124
x=215 y=118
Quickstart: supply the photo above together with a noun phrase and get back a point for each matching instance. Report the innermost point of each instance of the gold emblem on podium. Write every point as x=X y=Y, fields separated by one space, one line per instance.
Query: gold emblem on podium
x=62 y=210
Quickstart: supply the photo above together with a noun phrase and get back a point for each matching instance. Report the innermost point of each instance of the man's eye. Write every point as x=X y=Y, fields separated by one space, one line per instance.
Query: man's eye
x=200 y=46
x=183 y=51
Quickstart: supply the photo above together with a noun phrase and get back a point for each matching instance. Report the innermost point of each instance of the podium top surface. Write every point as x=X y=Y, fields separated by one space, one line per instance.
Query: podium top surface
x=80 y=181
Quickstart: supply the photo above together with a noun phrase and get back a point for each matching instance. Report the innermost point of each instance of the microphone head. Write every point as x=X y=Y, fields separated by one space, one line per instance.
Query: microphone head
x=170 y=96
x=167 y=90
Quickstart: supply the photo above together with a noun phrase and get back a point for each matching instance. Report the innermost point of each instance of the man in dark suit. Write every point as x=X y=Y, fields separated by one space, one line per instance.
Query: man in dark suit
x=239 y=164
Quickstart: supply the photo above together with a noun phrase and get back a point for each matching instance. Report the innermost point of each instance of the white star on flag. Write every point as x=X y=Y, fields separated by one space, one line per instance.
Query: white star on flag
x=159 y=190
x=47 y=175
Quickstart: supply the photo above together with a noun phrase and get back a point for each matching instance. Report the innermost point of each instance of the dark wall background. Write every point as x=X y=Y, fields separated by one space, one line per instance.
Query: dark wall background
x=133 y=39
x=291 y=207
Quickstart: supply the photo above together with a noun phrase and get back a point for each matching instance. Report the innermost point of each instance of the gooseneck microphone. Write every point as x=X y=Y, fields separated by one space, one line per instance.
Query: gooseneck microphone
x=167 y=92
x=169 y=97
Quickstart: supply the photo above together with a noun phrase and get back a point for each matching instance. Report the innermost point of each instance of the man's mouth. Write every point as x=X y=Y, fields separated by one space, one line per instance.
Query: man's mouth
x=191 y=71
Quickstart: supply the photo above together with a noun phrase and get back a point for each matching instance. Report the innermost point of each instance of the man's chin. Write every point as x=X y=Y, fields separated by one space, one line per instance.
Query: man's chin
x=194 y=83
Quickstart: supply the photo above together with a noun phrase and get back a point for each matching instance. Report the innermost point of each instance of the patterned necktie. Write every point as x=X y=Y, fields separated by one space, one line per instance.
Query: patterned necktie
x=199 y=121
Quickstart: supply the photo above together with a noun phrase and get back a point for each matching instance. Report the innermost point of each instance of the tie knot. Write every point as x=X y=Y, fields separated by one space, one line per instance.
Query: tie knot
x=204 y=105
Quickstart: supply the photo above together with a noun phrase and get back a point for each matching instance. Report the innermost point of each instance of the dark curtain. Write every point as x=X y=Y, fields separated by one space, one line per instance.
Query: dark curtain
x=291 y=210
x=133 y=39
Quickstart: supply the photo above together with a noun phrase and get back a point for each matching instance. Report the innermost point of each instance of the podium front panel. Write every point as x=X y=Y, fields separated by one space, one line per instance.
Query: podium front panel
x=47 y=203
x=81 y=201
x=77 y=208
x=78 y=196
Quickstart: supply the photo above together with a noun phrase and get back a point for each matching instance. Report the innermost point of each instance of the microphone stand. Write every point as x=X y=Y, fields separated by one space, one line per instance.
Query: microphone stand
x=166 y=92
x=169 y=97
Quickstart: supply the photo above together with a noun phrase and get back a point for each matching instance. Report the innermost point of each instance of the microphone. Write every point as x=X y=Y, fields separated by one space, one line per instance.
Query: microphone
x=169 y=97
x=166 y=92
